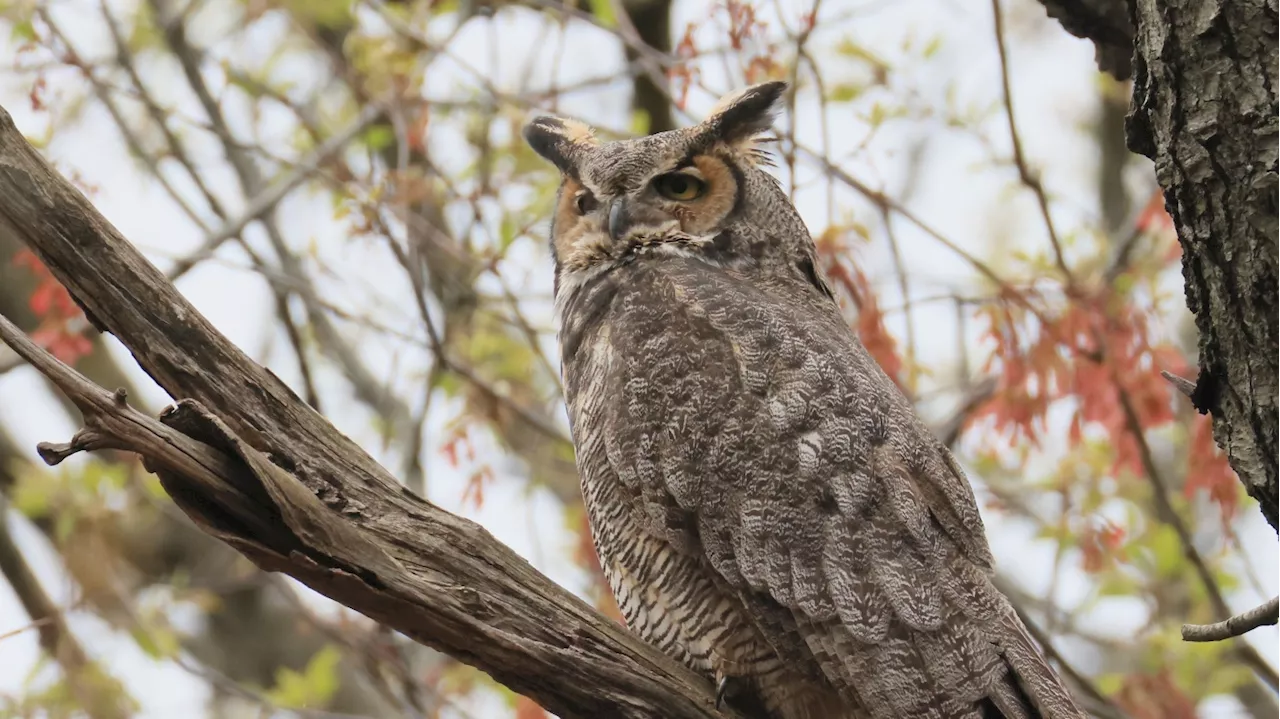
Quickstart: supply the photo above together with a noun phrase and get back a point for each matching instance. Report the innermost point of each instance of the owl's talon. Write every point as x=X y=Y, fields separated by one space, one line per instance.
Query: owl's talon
x=727 y=687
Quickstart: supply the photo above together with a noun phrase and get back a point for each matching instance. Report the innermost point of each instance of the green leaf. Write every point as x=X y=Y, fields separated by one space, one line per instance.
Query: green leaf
x=99 y=477
x=1166 y=551
x=1116 y=584
x=322 y=673
x=379 y=137
x=157 y=641
x=846 y=92
x=334 y=14
x=1109 y=684
x=603 y=10
x=932 y=47
x=507 y=232
x=23 y=31
x=312 y=687
x=640 y=122
x=33 y=498
x=878 y=115
x=63 y=525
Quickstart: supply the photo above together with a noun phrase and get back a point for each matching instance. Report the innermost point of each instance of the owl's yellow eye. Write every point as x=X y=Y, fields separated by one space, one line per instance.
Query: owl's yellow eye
x=681 y=186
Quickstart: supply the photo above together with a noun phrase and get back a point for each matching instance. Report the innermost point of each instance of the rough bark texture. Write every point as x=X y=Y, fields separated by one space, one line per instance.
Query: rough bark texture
x=1104 y=22
x=1204 y=108
x=255 y=466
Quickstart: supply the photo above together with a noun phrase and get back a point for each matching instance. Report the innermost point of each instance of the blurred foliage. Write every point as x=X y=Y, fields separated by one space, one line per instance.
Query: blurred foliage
x=412 y=289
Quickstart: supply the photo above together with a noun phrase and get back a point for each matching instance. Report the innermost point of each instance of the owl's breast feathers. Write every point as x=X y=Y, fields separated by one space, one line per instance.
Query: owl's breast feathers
x=745 y=428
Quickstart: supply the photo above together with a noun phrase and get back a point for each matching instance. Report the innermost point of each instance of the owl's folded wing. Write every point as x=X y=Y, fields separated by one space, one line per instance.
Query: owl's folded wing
x=775 y=446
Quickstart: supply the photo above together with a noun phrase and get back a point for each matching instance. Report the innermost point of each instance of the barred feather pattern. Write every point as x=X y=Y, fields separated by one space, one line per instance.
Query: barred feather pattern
x=767 y=506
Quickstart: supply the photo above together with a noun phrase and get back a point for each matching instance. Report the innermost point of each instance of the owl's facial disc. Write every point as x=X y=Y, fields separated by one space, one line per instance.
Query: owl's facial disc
x=693 y=197
x=672 y=185
x=681 y=197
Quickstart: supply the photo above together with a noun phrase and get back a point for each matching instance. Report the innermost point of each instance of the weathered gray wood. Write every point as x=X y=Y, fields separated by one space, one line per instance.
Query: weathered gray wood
x=279 y=483
x=1204 y=108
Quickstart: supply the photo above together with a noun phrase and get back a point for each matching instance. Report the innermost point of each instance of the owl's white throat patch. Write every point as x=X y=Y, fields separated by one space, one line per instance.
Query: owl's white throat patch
x=678 y=244
x=577 y=276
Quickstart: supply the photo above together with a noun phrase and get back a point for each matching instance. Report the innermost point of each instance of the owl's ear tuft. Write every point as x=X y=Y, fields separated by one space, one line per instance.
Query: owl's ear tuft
x=739 y=119
x=560 y=141
x=746 y=112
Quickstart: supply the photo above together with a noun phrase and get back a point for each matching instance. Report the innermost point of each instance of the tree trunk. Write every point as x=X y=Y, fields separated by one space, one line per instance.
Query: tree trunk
x=1204 y=109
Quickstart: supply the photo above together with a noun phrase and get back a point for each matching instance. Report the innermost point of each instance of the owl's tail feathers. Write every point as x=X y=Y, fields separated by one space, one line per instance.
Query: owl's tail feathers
x=1031 y=689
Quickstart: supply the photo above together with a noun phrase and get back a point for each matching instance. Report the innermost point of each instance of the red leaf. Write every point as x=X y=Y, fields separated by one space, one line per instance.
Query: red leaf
x=1153 y=217
x=684 y=74
x=474 y=490
x=850 y=281
x=527 y=708
x=1208 y=470
x=67 y=346
x=1098 y=545
x=36 y=96
x=1148 y=696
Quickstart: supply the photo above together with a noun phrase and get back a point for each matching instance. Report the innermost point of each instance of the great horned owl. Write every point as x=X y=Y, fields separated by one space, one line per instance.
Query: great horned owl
x=766 y=505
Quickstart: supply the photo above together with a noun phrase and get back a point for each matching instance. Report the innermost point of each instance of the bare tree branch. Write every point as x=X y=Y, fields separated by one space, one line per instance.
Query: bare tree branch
x=260 y=470
x=1028 y=177
x=1166 y=513
x=1263 y=615
x=264 y=201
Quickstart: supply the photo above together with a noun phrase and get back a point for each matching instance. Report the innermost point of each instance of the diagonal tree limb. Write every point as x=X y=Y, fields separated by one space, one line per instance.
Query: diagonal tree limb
x=295 y=495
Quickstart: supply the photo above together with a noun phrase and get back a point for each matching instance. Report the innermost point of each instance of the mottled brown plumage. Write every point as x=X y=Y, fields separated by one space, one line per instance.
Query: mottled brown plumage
x=766 y=505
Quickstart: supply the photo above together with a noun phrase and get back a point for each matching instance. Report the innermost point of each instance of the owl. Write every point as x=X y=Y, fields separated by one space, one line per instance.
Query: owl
x=766 y=505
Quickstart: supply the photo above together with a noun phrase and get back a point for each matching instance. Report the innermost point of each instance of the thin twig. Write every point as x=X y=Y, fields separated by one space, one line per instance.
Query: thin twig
x=102 y=91
x=35 y=624
x=789 y=151
x=1099 y=704
x=265 y=198
x=1029 y=178
x=265 y=201
x=125 y=59
x=444 y=359
x=1185 y=387
x=1263 y=615
x=881 y=200
x=904 y=287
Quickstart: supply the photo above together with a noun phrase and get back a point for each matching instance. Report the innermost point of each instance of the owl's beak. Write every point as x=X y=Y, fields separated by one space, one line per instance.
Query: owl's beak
x=619 y=219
